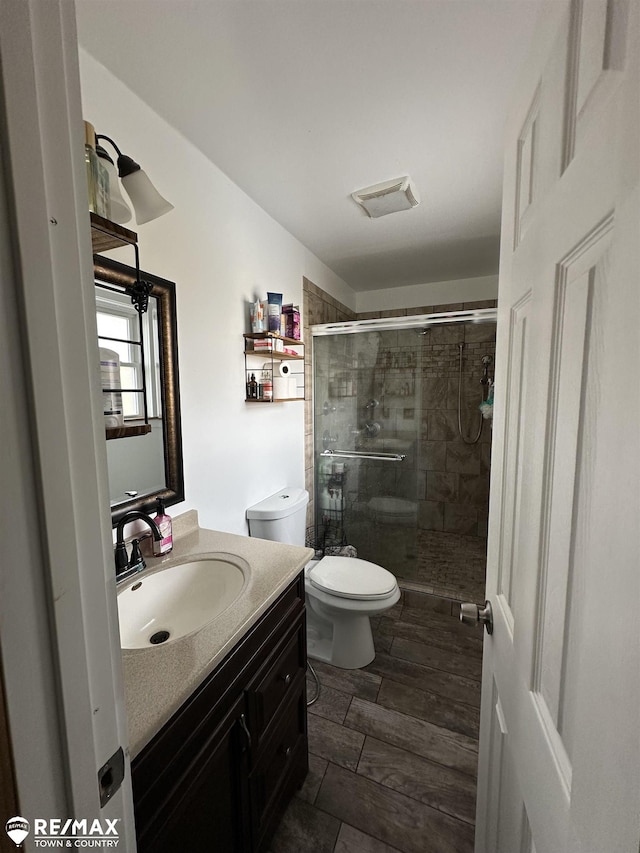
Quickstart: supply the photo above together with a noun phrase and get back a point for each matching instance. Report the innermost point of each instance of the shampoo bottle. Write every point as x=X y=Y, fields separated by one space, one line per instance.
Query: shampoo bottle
x=164 y=524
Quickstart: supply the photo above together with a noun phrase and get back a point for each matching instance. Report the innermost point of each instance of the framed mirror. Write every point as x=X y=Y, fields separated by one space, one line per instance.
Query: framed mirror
x=145 y=457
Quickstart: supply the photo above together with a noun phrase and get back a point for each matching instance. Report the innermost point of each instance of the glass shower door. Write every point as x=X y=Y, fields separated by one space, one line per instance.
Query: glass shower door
x=367 y=422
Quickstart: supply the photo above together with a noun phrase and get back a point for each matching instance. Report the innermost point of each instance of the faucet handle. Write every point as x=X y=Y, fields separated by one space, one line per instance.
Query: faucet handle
x=121 y=557
x=136 y=561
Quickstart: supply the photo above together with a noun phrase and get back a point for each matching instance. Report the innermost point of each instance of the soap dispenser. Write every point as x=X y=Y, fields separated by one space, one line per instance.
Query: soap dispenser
x=163 y=521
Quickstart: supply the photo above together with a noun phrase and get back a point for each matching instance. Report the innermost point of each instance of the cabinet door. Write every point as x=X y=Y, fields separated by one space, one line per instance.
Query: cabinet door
x=281 y=768
x=208 y=804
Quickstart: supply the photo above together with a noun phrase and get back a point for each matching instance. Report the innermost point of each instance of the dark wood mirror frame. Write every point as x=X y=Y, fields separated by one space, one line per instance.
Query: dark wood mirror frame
x=120 y=275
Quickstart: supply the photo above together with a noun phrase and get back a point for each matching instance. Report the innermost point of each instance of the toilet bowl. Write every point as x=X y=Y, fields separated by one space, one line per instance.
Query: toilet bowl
x=342 y=593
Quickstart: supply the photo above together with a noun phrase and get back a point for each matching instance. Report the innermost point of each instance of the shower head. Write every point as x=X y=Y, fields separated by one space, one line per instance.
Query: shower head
x=486 y=361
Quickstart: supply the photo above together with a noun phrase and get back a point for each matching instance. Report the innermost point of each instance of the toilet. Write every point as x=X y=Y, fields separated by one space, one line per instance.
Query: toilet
x=342 y=593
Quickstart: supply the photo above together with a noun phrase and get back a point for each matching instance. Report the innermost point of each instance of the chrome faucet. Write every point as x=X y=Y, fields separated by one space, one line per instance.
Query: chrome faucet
x=125 y=566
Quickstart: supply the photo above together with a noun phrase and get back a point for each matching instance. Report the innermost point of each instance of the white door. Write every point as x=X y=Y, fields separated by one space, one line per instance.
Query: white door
x=560 y=726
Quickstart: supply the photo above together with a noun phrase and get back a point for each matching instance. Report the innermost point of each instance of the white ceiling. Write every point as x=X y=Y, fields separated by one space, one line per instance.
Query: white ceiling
x=301 y=102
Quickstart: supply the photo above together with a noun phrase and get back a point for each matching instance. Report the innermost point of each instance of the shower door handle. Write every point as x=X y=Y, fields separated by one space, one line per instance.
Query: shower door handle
x=472 y=614
x=361 y=454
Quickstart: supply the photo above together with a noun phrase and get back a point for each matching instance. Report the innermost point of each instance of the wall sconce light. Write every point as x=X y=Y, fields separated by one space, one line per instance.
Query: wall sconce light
x=120 y=210
x=147 y=202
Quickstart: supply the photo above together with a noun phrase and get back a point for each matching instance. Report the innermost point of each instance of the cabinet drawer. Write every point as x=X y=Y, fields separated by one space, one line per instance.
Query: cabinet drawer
x=278 y=679
x=281 y=768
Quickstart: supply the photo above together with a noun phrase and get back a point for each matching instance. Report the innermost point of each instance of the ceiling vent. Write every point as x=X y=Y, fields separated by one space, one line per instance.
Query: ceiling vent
x=388 y=197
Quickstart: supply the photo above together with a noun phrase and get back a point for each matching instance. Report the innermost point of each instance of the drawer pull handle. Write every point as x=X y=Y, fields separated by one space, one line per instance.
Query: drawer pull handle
x=286 y=751
x=243 y=726
x=287 y=679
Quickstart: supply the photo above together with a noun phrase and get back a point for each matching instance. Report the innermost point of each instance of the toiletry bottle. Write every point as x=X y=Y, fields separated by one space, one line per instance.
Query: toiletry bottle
x=253 y=387
x=104 y=196
x=267 y=385
x=92 y=166
x=111 y=395
x=164 y=524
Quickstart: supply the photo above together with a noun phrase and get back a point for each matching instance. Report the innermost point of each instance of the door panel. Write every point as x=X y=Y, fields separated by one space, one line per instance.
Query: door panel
x=527 y=168
x=568 y=477
x=513 y=454
x=559 y=747
x=597 y=51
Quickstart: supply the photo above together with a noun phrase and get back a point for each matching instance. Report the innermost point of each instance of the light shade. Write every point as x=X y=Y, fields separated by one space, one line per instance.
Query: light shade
x=120 y=210
x=145 y=198
x=387 y=197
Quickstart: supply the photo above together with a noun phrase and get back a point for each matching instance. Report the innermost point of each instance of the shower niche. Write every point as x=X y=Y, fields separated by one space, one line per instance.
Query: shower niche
x=402 y=451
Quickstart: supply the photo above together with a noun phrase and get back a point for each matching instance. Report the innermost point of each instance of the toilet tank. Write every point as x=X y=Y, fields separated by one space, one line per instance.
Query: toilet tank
x=280 y=517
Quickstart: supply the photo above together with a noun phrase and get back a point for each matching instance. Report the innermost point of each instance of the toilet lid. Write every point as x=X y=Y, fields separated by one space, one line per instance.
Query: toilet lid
x=349 y=577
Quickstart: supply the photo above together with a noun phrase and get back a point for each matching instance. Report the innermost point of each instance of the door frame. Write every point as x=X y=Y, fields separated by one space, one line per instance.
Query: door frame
x=59 y=631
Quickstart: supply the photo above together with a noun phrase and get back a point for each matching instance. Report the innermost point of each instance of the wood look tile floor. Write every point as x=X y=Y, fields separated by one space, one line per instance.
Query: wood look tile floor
x=393 y=748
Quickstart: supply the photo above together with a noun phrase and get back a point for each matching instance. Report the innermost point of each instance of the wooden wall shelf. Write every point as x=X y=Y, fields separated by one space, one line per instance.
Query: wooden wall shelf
x=277 y=354
x=107 y=235
x=263 y=336
x=127 y=431
x=278 y=400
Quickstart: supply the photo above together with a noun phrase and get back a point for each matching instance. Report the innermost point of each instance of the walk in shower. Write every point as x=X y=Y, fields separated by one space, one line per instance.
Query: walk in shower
x=401 y=446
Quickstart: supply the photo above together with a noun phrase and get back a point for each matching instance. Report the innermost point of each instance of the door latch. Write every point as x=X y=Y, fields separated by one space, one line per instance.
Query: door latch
x=472 y=614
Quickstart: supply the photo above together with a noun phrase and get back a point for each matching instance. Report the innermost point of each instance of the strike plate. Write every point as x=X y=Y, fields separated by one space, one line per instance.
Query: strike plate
x=110 y=777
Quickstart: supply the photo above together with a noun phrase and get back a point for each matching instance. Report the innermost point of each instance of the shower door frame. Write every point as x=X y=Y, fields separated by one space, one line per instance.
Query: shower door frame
x=412 y=321
x=383 y=324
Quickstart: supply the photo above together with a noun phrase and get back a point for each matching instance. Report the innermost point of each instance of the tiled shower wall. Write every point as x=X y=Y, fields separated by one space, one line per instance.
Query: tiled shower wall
x=453 y=477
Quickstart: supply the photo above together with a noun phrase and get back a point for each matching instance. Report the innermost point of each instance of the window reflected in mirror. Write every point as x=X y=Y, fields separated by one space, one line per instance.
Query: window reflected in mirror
x=141 y=467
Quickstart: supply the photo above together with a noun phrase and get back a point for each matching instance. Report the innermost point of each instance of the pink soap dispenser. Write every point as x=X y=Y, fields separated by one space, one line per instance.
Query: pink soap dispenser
x=164 y=525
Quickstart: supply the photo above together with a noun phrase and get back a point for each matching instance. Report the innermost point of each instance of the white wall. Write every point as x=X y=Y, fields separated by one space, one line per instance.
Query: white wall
x=222 y=250
x=435 y=293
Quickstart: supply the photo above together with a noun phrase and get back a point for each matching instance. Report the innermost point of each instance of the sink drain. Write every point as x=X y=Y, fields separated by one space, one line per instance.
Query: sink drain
x=159 y=637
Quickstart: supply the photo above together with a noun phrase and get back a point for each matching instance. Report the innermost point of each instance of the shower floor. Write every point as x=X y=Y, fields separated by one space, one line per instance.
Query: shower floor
x=451 y=565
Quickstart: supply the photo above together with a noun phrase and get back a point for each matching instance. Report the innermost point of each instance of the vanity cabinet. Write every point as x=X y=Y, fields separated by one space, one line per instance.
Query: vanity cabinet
x=219 y=774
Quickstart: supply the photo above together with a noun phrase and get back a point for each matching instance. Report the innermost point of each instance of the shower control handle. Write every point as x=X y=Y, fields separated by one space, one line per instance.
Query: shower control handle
x=472 y=614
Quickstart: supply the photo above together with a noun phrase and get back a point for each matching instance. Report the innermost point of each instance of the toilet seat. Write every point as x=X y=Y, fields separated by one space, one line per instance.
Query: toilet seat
x=350 y=577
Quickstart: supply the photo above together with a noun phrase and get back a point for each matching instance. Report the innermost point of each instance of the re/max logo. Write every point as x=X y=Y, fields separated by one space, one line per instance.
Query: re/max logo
x=57 y=827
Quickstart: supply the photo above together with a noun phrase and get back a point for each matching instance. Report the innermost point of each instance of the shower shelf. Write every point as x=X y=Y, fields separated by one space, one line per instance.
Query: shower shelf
x=273 y=356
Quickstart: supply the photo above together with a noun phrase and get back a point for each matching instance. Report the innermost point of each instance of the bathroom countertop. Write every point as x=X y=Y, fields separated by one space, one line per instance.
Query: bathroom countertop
x=158 y=679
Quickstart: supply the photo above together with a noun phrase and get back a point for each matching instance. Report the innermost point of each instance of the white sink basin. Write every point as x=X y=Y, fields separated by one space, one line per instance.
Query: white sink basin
x=179 y=600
